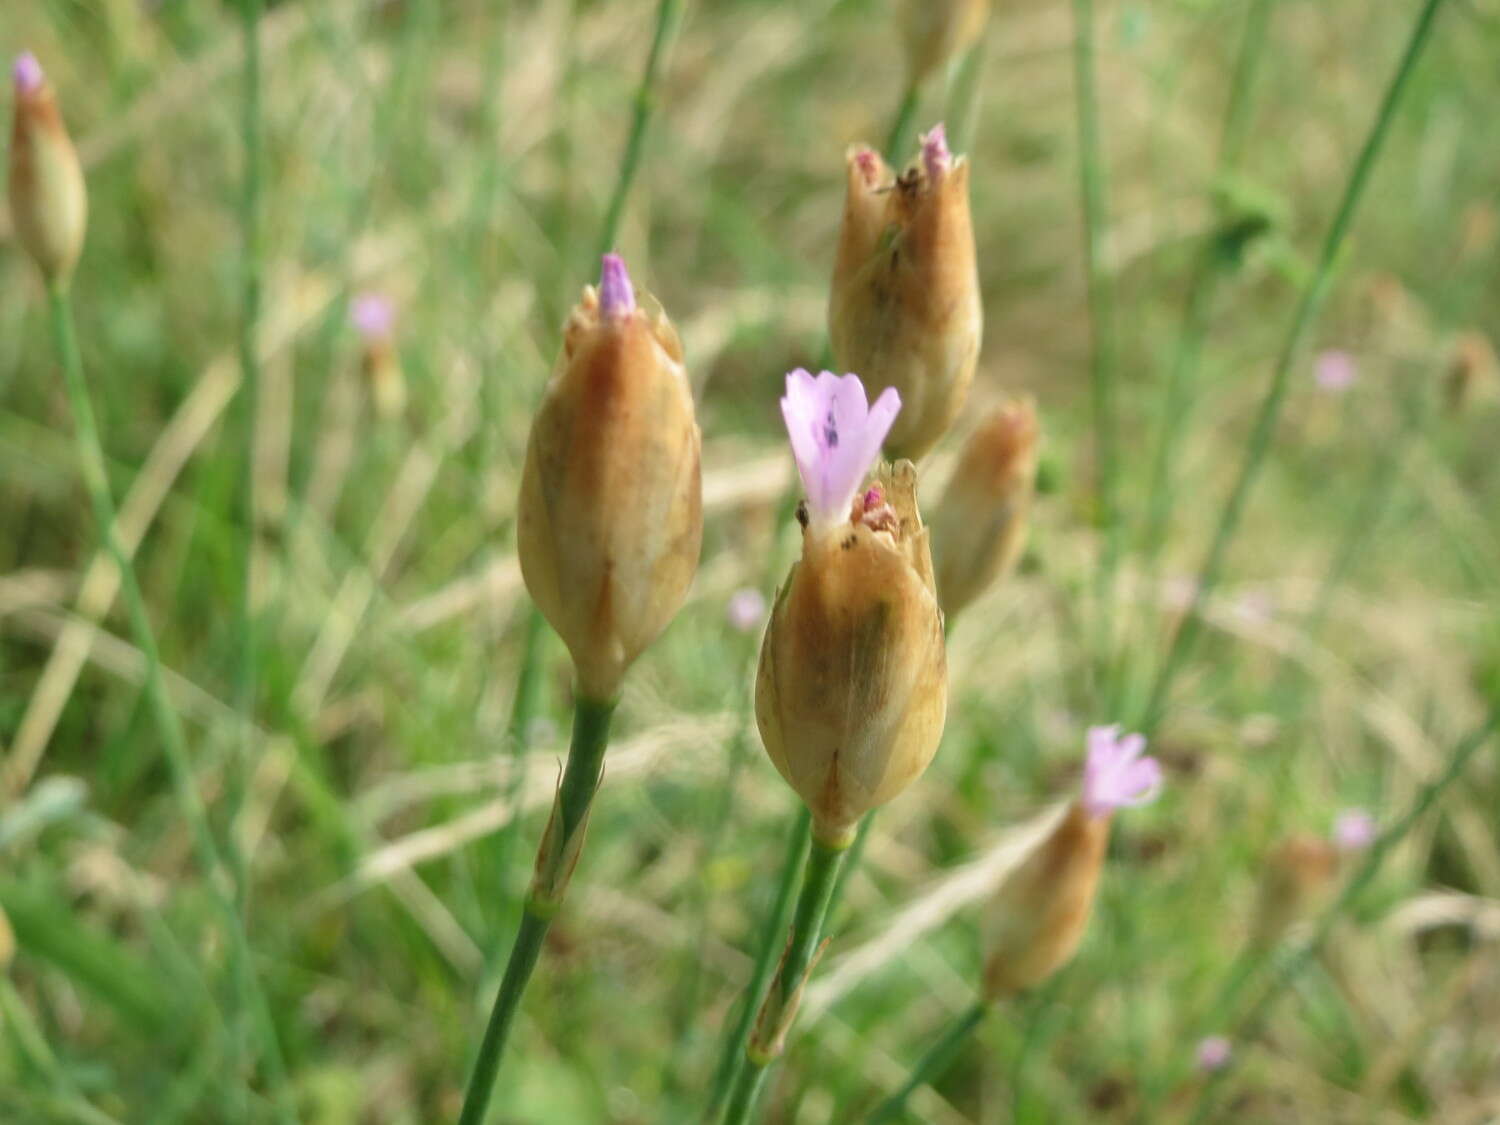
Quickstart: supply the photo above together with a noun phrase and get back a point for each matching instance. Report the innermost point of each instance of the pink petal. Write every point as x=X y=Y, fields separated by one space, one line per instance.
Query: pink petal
x=27 y=73
x=616 y=294
x=835 y=438
x=935 y=155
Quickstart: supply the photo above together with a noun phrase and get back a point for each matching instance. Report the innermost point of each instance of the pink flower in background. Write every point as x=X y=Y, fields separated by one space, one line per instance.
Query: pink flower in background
x=1115 y=774
x=616 y=294
x=1214 y=1053
x=1354 y=830
x=836 y=436
x=373 y=316
x=1335 y=370
x=746 y=609
x=1255 y=606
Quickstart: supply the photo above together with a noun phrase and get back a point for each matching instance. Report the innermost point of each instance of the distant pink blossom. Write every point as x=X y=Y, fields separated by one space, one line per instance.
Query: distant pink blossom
x=1214 y=1052
x=1335 y=370
x=836 y=436
x=1354 y=830
x=746 y=609
x=1115 y=774
x=1255 y=606
x=616 y=294
x=373 y=316
x=27 y=73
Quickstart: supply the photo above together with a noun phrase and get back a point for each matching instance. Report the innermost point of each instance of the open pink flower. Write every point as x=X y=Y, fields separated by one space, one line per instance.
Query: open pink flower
x=616 y=294
x=935 y=155
x=1115 y=774
x=1214 y=1052
x=373 y=316
x=1354 y=830
x=1335 y=370
x=746 y=609
x=27 y=73
x=836 y=436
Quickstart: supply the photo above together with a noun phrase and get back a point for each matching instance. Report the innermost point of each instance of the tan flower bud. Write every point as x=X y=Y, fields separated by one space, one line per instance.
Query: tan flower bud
x=979 y=525
x=904 y=309
x=852 y=689
x=1471 y=370
x=7 y=942
x=48 y=199
x=611 y=513
x=1297 y=877
x=936 y=31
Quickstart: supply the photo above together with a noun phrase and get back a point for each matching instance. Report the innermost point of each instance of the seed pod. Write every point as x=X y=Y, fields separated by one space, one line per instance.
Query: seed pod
x=48 y=198
x=1039 y=915
x=979 y=526
x=1296 y=878
x=610 y=519
x=851 y=694
x=904 y=309
x=936 y=31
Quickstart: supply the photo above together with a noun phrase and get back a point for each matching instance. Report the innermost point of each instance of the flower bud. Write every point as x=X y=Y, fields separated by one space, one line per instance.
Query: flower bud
x=7 y=943
x=979 y=526
x=1297 y=877
x=904 y=309
x=611 y=511
x=48 y=199
x=374 y=318
x=1039 y=915
x=1471 y=370
x=852 y=689
x=936 y=31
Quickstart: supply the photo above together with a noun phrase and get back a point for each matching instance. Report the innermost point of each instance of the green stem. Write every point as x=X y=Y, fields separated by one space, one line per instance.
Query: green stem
x=1092 y=191
x=169 y=725
x=732 y=1052
x=898 y=140
x=933 y=1064
x=1293 y=965
x=667 y=18
x=780 y=1008
x=1270 y=408
x=523 y=711
x=963 y=97
x=555 y=859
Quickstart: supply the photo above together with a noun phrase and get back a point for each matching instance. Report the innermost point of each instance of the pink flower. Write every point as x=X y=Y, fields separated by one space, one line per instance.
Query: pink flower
x=1115 y=774
x=935 y=155
x=27 y=73
x=1255 y=606
x=373 y=316
x=1354 y=830
x=1214 y=1053
x=836 y=436
x=616 y=294
x=1335 y=370
x=746 y=609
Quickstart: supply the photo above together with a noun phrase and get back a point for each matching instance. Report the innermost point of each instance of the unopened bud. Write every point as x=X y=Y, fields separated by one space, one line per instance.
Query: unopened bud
x=1471 y=371
x=611 y=511
x=936 y=31
x=904 y=309
x=48 y=199
x=1039 y=915
x=374 y=318
x=7 y=943
x=851 y=694
x=1296 y=879
x=979 y=526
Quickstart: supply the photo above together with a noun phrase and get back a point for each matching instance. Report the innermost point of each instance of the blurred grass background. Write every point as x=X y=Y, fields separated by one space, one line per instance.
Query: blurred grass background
x=459 y=158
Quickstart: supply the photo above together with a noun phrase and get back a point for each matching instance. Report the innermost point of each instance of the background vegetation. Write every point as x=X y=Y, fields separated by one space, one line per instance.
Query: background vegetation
x=459 y=157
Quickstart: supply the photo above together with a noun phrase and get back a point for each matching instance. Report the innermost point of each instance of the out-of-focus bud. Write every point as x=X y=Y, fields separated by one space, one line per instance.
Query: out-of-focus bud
x=1039 y=915
x=1471 y=371
x=374 y=318
x=611 y=510
x=904 y=309
x=1214 y=1053
x=852 y=689
x=7 y=943
x=1354 y=830
x=1297 y=877
x=979 y=525
x=936 y=31
x=746 y=610
x=48 y=200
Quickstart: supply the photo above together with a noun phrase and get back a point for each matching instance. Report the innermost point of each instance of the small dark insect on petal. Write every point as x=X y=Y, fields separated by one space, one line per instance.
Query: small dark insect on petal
x=830 y=432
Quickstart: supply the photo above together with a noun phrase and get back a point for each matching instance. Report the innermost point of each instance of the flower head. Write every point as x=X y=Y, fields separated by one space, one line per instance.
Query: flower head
x=373 y=316
x=1335 y=370
x=616 y=294
x=746 y=609
x=1354 y=830
x=27 y=73
x=836 y=436
x=1213 y=1053
x=1115 y=774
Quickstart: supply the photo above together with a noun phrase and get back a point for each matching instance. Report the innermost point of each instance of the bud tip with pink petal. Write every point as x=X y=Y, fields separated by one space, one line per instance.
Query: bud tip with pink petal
x=27 y=73
x=616 y=294
x=373 y=316
x=935 y=155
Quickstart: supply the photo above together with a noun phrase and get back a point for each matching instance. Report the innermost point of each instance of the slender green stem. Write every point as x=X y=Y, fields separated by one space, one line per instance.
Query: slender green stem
x=668 y=14
x=963 y=97
x=555 y=859
x=1291 y=966
x=169 y=725
x=732 y=1052
x=932 y=1064
x=780 y=1008
x=1269 y=414
x=1092 y=191
x=898 y=140
x=523 y=712
x=851 y=865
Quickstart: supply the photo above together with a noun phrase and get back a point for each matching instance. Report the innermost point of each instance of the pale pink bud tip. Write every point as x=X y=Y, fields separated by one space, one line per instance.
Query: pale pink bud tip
x=1214 y=1053
x=935 y=155
x=616 y=295
x=373 y=316
x=27 y=73
x=746 y=609
x=1354 y=830
x=836 y=436
x=1115 y=774
x=1335 y=370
